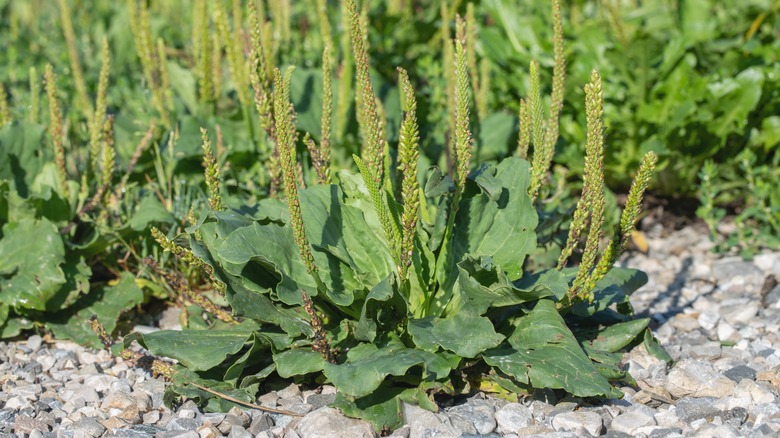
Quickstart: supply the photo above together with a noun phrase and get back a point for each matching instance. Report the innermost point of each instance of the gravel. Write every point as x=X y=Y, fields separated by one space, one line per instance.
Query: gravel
x=718 y=317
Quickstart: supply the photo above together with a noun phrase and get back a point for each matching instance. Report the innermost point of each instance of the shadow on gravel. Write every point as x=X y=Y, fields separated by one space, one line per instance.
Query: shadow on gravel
x=674 y=292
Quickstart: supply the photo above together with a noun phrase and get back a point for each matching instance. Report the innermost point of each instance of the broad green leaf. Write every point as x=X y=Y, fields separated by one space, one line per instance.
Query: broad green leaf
x=420 y=275
x=77 y=283
x=543 y=352
x=265 y=256
x=306 y=95
x=184 y=378
x=614 y=289
x=654 y=347
x=298 y=362
x=382 y=408
x=354 y=257
x=198 y=350
x=258 y=306
x=31 y=253
x=502 y=229
x=4 y=193
x=256 y=355
x=14 y=325
x=184 y=83
x=484 y=285
x=361 y=376
x=150 y=211
x=22 y=155
x=383 y=307
x=495 y=133
x=106 y=303
x=463 y=333
x=47 y=202
x=438 y=184
x=616 y=336
x=736 y=98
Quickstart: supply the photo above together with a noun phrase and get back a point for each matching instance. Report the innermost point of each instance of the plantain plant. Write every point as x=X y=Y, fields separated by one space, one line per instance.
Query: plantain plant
x=396 y=283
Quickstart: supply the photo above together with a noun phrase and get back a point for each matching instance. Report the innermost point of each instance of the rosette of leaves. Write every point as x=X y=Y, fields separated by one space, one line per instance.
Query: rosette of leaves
x=465 y=317
x=469 y=317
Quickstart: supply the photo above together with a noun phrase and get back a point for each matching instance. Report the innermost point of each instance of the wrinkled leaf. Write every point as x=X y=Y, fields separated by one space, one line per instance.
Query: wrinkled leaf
x=465 y=334
x=31 y=253
x=543 y=352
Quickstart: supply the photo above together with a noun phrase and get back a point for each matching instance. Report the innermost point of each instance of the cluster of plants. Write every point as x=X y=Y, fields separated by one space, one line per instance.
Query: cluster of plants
x=696 y=81
x=394 y=215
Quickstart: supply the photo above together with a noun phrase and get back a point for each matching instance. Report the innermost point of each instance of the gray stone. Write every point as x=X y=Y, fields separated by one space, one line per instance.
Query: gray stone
x=34 y=342
x=401 y=432
x=664 y=432
x=235 y=417
x=99 y=382
x=707 y=351
x=290 y=392
x=188 y=410
x=299 y=408
x=7 y=416
x=740 y=372
x=90 y=426
x=213 y=418
x=121 y=385
x=129 y=433
x=268 y=399
x=291 y=434
x=88 y=394
x=281 y=420
x=239 y=432
x=772 y=298
x=629 y=421
x=424 y=424
x=152 y=417
x=178 y=434
x=512 y=417
x=477 y=412
x=461 y=424
x=574 y=421
x=26 y=424
x=147 y=428
x=697 y=379
x=329 y=423
x=154 y=388
x=742 y=313
x=693 y=408
x=260 y=423
x=728 y=268
x=183 y=424
x=18 y=403
x=757 y=393
x=319 y=400
x=708 y=319
x=208 y=431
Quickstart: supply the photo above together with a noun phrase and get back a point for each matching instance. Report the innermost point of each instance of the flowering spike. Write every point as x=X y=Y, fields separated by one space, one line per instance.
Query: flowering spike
x=55 y=127
x=408 y=154
x=627 y=219
x=463 y=139
x=285 y=137
x=96 y=125
x=73 y=57
x=212 y=172
x=368 y=114
x=593 y=193
x=5 y=112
